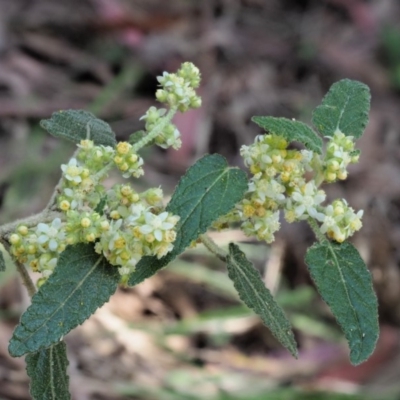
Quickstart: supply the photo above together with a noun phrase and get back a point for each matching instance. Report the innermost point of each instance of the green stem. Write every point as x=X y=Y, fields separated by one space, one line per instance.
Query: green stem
x=213 y=247
x=314 y=226
x=158 y=128
x=100 y=175
x=44 y=216
x=26 y=279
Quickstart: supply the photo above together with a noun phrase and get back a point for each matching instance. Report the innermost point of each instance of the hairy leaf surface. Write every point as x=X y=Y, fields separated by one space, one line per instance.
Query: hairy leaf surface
x=82 y=282
x=345 y=284
x=47 y=369
x=256 y=296
x=291 y=130
x=208 y=190
x=76 y=125
x=345 y=107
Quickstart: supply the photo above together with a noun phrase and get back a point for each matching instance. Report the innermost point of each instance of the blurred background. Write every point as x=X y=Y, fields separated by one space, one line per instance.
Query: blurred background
x=183 y=334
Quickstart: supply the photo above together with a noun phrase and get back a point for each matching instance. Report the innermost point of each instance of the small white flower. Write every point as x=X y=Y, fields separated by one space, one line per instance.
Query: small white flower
x=267 y=189
x=136 y=211
x=306 y=201
x=124 y=271
x=72 y=171
x=52 y=235
x=155 y=224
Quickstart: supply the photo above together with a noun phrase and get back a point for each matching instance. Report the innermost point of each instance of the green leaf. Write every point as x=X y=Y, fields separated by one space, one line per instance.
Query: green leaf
x=256 y=296
x=356 y=152
x=137 y=136
x=47 y=369
x=82 y=282
x=208 y=190
x=345 y=107
x=2 y=262
x=101 y=205
x=76 y=125
x=345 y=284
x=291 y=130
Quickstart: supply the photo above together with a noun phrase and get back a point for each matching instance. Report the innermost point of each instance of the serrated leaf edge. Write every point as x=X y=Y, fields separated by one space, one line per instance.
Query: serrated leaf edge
x=284 y=333
x=343 y=282
x=61 y=305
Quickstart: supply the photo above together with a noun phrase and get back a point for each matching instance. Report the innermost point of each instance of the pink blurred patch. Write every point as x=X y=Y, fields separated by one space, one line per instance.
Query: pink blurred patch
x=111 y=12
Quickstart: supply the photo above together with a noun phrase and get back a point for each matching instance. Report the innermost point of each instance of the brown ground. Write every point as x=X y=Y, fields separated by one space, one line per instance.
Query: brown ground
x=181 y=335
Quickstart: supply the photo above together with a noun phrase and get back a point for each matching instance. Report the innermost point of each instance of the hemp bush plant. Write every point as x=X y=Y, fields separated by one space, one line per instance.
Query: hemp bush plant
x=90 y=238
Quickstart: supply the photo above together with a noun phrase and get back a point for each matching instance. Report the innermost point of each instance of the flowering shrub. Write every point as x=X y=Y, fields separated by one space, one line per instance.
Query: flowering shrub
x=91 y=237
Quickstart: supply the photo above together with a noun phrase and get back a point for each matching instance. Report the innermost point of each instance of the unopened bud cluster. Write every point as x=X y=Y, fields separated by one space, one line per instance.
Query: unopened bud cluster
x=123 y=225
x=339 y=154
x=279 y=183
x=178 y=92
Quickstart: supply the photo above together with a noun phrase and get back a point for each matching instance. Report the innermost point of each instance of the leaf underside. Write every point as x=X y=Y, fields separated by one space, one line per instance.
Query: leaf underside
x=345 y=284
x=77 y=125
x=82 y=282
x=208 y=190
x=47 y=369
x=291 y=130
x=345 y=107
x=255 y=295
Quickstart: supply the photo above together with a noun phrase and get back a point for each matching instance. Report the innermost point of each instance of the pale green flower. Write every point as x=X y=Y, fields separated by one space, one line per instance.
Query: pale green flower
x=72 y=171
x=306 y=200
x=156 y=224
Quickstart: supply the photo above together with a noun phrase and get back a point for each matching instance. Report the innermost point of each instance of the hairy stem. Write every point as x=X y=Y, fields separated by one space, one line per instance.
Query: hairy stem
x=44 y=216
x=164 y=121
x=314 y=226
x=26 y=279
x=213 y=247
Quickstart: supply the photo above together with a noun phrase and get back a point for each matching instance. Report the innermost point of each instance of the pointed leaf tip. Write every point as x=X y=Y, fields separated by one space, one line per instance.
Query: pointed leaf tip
x=256 y=296
x=77 y=125
x=291 y=130
x=345 y=284
x=345 y=107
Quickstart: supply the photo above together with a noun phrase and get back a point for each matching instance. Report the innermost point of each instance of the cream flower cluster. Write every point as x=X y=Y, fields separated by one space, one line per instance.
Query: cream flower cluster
x=123 y=224
x=339 y=154
x=279 y=183
x=178 y=90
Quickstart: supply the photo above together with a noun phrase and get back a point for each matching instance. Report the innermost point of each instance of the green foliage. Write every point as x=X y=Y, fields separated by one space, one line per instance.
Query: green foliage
x=100 y=206
x=82 y=282
x=208 y=190
x=47 y=369
x=345 y=107
x=131 y=224
x=256 y=296
x=346 y=286
x=2 y=262
x=291 y=130
x=77 y=125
